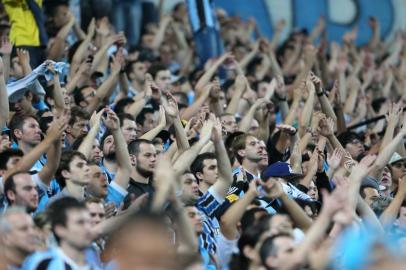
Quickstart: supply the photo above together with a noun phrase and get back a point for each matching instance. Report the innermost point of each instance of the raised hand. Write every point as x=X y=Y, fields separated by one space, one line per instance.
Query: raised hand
x=206 y=131
x=171 y=106
x=217 y=129
x=326 y=127
x=273 y=189
x=111 y=120
x=315 y=80
x=394 y=112
x=23 y=56
x=115 y=65
x=287 y=129
x=95 y=119
x=91 y=28
x=56 y=129
x=334 y=160
x=162 y=117
x=280 y=87
x=6 y=46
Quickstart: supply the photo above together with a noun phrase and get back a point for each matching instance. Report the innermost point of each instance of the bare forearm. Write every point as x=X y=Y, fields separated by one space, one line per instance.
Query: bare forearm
x=4 y=105
x=326 y=107
x=87 y=144
x=180 y=134
x=297 y=214
x=233 y=105
x=391 y=212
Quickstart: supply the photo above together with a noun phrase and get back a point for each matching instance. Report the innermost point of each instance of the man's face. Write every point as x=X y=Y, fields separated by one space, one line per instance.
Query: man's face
x=97 y=212
x=78 y=229
x=138 y=72
x=386 y=179
x=23 y=105
x=109 y=149
x=129 y=129
x=25 y=193
x=252 y=150
x=79 y=127
x=96 y=154
x=398 y=170
x=89 y=94
x=355 y=148
x=371 y=194
x=254 y=126
x=163 y=80
x=313 y=192
x=149 y=122
x=190 y=188
x=281 y=224
x=264 y=154
x=210 y=172
x=284 y=246
x=61 y=16
x=146 y=159
x=79 y=172
x=195 y=218
x=22 y=236
x=229 y=123
x=30 y=132
x=159 y=147
x=98 y=184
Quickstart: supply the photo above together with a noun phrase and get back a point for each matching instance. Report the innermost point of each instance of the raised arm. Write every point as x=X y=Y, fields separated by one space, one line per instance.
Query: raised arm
x=87 y=144
x=54 y=134
x=326 y=107
x=274 y=190
x=206 y=77
x=58 y=46
x=123 y=157
x=391 y=212
x=241 y=85
x=5 y=50
x=233 y=215
x=105 y=88
x=186 y=158
x=225 y=179
x=245 y=123
x=4 y=106
x=83 y=47
x=150 y=135
x=171 y=109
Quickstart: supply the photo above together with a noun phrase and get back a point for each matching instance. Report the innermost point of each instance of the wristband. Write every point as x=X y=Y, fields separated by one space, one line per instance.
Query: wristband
x=279 y=98
x=321 y=93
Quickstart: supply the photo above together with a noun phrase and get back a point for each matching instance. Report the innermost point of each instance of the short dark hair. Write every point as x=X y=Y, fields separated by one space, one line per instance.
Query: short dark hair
x=66 y=159
x=197 y=165
x=78 y=94
x=58 y=212
x=346 y=137
x=124 y=116
x=155 y=68
x=7 y=154
x=134 y=146
x=141 y=117
x=238 y=144
x=9 y=184
x=17 y=122
x=120 y=105
x=77 y=113
x=268 y=247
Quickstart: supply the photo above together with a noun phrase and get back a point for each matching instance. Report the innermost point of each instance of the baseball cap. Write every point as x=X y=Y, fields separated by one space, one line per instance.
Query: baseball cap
x=395 y=158
x=279 y=169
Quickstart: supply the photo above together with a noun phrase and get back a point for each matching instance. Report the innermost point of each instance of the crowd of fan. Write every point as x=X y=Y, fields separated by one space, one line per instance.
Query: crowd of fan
x=142 y=157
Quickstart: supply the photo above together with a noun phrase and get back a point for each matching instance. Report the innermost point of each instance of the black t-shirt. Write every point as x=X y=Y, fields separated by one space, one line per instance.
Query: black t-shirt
x=136 y=189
